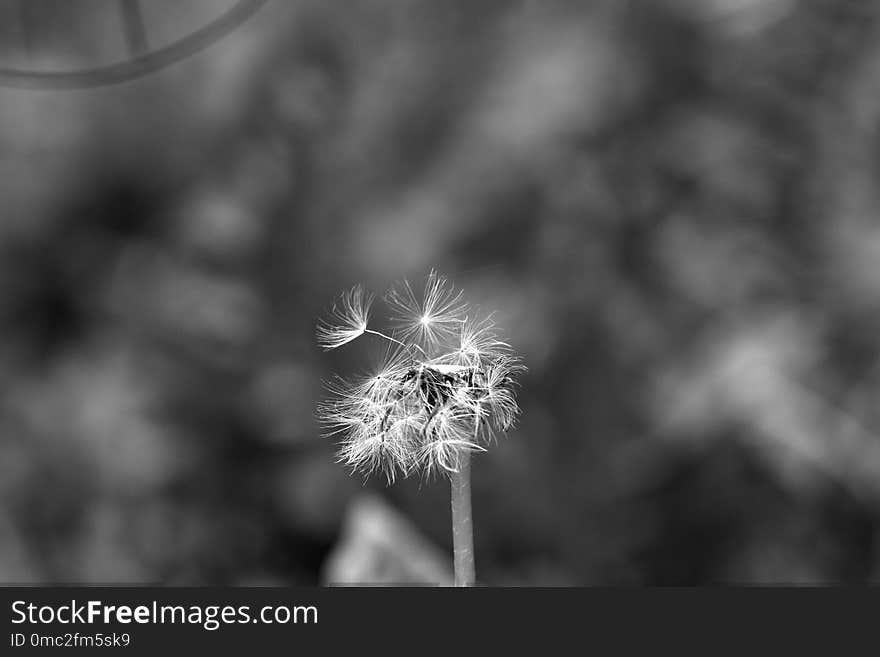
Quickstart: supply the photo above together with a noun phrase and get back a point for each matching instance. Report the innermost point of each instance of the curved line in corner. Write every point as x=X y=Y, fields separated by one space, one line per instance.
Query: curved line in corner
x=138 y=67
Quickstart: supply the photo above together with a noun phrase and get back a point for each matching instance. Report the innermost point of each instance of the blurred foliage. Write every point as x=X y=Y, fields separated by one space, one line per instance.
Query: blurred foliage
x=672 y=205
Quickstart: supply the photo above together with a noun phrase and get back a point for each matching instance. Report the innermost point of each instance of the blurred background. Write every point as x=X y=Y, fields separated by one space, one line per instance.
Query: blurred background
x=671 y=204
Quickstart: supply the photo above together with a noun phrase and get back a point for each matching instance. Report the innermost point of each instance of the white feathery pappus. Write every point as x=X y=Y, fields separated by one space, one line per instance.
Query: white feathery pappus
x=446 y=385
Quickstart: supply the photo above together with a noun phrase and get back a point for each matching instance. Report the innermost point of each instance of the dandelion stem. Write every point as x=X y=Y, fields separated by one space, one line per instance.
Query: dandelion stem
x=462 y=522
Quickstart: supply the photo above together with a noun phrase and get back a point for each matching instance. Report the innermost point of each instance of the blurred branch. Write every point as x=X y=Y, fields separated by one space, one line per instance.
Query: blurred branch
x=135 y=30
x=138 y=66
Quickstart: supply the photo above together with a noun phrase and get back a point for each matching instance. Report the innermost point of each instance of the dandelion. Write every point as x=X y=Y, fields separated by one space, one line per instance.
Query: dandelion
x=445 y=390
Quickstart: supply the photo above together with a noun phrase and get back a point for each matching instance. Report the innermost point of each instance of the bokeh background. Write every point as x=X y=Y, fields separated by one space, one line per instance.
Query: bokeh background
x=671 y=204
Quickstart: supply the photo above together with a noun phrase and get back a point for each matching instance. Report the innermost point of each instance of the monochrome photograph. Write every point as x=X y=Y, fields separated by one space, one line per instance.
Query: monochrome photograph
x=414 y=293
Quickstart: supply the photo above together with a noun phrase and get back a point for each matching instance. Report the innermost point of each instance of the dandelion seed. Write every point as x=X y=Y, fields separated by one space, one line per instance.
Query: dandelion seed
x=477 y=343
x=428 y=320
x=348 y=319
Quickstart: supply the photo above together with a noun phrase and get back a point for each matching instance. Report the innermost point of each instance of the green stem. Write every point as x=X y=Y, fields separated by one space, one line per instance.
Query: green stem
x=462 y=523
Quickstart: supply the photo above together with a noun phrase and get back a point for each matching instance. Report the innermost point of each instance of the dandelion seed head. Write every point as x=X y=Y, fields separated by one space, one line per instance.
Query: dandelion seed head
x=445 y=387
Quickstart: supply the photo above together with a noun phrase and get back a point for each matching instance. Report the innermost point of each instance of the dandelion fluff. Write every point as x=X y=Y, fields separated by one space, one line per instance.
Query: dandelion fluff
x=445 y=388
